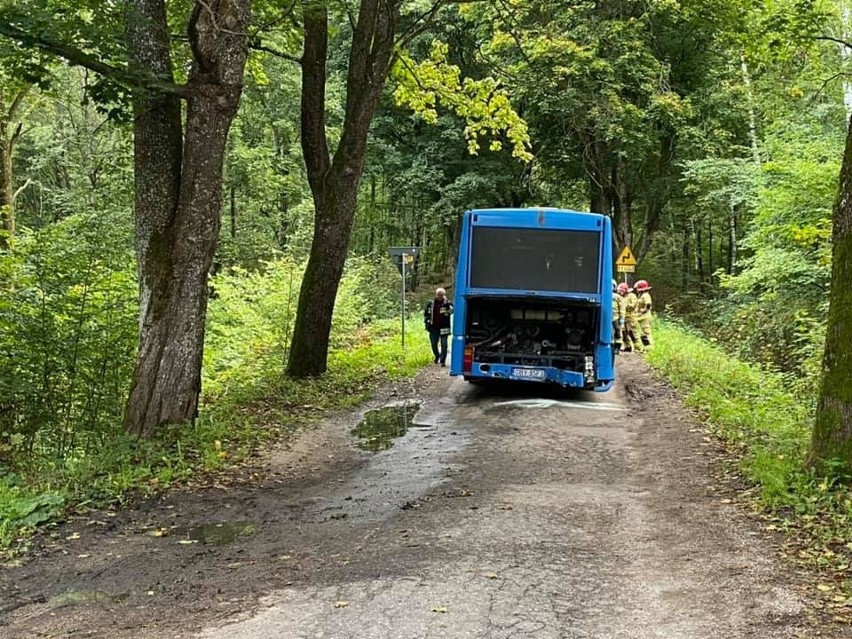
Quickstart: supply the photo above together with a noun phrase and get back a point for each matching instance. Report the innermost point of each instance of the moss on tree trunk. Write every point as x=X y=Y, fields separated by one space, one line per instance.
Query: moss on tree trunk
x=831 y=445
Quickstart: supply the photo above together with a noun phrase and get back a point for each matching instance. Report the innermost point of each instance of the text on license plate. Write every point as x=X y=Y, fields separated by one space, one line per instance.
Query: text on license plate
x=529 y=373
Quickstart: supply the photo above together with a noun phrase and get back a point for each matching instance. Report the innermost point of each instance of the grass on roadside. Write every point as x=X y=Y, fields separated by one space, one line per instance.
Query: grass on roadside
x=259 y=404
x=766 y=418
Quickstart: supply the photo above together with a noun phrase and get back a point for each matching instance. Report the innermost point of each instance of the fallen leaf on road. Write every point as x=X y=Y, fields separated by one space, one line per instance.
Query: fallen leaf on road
x=440 y=609
x=341 y=604
x=824 y=587
x=72 y=536
x=188 y=541
x=491 y=575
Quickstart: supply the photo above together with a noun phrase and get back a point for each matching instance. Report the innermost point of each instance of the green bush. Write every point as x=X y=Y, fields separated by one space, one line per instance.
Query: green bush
x=68 y=322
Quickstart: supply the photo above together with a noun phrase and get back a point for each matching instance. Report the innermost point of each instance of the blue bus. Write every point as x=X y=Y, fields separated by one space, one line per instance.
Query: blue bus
x=533 y=298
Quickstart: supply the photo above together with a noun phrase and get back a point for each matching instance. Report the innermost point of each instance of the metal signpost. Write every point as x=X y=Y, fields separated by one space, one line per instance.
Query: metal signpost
x=403 y=257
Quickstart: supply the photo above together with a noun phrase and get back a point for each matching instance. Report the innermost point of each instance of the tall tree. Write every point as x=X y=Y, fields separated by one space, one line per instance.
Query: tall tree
x=178 y=198
x=178 y=173
x=334 y=181
x=832 y=437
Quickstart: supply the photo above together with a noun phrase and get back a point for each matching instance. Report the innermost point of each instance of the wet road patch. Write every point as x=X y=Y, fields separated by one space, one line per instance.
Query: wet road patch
x=218 y=534
x=380 y=427
x=550 y=403
x=75 y=597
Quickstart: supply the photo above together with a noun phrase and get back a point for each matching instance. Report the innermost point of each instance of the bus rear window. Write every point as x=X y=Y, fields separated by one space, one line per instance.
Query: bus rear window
x=535 y=259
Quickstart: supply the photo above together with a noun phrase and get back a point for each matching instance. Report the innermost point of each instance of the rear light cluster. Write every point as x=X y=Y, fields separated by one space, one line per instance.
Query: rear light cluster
x=467 y=362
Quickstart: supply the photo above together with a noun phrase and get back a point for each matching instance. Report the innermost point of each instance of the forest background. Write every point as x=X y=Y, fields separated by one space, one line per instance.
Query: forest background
x=712 y=132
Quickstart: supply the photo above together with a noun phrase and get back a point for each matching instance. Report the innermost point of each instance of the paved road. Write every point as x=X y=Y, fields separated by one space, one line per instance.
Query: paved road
x=496 y=516
x=547 y=518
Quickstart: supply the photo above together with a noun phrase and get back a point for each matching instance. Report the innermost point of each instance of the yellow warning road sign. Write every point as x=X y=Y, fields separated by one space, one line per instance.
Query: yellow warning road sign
x=626 y=258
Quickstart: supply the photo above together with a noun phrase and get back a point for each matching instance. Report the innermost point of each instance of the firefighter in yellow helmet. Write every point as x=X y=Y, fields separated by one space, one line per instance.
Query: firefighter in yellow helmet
x=618 y=312
x=643 y=311
x=631 y=328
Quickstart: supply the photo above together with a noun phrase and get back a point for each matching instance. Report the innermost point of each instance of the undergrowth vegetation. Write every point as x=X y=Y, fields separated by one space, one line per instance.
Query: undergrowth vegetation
x=765 y=417
x=67 y=352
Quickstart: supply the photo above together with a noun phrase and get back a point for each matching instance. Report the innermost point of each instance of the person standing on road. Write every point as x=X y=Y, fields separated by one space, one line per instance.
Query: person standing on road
x=436 y=317
x=631 y=328
x=643 y=311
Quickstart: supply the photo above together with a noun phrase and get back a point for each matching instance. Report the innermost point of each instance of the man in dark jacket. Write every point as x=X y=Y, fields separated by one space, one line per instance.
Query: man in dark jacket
x=436 y=317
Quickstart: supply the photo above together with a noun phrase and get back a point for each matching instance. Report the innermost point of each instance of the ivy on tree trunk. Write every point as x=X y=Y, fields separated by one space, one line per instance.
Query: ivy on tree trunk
x=334 y=182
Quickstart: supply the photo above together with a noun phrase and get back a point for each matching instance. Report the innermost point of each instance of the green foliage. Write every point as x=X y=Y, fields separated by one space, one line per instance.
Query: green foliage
x=772 y=307
x=251 y=316
x=21 y=509
x=765 y=417
x=483 y=103
x=67 y=337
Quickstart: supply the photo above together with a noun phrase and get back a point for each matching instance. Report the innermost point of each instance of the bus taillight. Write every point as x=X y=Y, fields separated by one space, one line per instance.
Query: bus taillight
x=467 y=362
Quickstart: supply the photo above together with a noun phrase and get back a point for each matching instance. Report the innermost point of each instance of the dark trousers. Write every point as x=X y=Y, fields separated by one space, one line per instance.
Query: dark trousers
x=434 y=337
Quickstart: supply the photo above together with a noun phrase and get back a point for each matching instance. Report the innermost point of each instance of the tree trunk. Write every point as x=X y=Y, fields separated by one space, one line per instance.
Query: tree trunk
x=334 y=184
x=7 y=212
x=178 y=201
x=233 y=212
x=599 y=201
x=699 y=251
x=622 y=214
x=732 y=240
x=710 y=245
x=9 y=134
x=832 y=436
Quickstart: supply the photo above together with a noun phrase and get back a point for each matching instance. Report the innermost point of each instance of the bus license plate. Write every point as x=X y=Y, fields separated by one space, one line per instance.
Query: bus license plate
x=529 y=373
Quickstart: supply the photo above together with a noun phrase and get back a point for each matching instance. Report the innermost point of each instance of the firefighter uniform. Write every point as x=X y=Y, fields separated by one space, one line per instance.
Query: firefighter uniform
x=643 y=312
x=618 y=317
x=631 y=327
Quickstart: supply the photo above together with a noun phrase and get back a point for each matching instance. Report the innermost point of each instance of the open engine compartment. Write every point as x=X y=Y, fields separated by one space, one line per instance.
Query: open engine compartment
x=556 y=333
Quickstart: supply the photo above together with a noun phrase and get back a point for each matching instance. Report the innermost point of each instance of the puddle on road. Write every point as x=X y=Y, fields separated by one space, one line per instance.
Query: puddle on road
x=75 y=597
x=381 y=426
x=219 y=534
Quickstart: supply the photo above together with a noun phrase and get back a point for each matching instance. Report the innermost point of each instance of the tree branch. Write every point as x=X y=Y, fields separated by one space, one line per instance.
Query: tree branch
x=80 y=58
x=845 y=43
x=824 y=84
x=20 y=190
x=17 y=101
x=16 y=134
x=420 y=24
x=289 y=11
x=257 y=46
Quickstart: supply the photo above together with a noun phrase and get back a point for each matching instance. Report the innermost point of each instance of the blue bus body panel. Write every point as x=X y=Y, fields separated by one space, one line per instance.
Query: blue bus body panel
x=544 y=218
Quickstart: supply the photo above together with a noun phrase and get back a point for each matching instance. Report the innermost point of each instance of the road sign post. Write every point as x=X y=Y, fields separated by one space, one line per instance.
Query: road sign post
x=403 y=257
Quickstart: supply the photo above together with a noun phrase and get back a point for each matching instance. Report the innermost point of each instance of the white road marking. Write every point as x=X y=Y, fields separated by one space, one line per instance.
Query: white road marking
x=550 y=403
